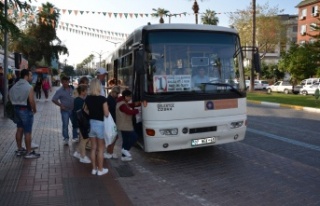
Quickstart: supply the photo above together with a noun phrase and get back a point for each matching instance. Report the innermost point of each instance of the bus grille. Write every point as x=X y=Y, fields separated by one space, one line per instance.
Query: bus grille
x=202 y=129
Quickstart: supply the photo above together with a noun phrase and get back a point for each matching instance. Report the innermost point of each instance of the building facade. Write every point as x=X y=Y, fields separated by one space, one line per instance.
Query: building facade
x=309 y=15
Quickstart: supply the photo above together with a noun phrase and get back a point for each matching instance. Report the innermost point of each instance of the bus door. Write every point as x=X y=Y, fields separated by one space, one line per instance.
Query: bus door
x=137 y=89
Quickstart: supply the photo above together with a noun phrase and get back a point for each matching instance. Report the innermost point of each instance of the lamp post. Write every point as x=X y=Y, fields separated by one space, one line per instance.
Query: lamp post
x=100 y=56
x=115 y=43
x=170 y=15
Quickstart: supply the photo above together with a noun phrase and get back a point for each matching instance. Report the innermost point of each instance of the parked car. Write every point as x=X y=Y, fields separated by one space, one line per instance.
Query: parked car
x=248 y=84
x=260 y=84
x=280 y=86
x=310 y=89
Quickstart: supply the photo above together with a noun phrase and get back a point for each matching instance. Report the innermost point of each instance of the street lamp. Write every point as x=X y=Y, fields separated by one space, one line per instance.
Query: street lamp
x=115 y=43
x=100 y=55
x=170 y=15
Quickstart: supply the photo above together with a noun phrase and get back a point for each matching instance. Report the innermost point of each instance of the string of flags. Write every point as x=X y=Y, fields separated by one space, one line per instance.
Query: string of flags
x=92 y=32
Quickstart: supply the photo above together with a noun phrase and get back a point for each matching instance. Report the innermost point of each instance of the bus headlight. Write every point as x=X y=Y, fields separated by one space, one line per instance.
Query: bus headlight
x=234 y=125
x=173 y=131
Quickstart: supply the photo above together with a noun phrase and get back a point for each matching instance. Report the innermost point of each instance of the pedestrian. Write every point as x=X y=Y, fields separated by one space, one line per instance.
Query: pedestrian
x=112 y=102
x=78 y=105
x=97 y=107
x=80 y=94
x=46 y=87
x=101 y=75
x=37 y=88
x=124 y=113
x=64 y=99
x=1 y=84
x=21 y=95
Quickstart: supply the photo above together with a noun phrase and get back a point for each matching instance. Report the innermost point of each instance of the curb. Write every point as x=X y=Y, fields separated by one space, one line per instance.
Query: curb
x=295 y=107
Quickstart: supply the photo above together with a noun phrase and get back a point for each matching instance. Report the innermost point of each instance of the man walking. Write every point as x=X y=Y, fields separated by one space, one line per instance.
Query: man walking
x=22 y=97
x=64 y=99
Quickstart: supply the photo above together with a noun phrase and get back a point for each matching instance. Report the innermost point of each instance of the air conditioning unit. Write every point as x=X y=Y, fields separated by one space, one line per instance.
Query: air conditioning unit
x=302 y=17
x=316 y=13
x=303 y=33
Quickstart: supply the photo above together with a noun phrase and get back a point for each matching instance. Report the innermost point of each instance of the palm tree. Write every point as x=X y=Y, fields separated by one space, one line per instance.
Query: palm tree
x=36 y=46
x=195 y=8
x=6 y=24
x=160 y=13
x=210 y=18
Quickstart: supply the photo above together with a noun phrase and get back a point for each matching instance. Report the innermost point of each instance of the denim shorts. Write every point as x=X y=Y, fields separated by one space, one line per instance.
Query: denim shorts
x=25 y=119
x=96 y=129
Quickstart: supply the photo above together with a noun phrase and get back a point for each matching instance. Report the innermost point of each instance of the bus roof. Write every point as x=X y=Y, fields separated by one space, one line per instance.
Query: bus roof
x=201 y=27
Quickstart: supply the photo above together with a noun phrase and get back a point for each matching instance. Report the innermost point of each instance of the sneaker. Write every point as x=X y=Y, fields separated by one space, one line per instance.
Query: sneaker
x=85 y=159
x=125 y=153
x=75 y=140
x=20 y=152
x=126 y=159
x=102 y=172
x=66 y=142
x=106 y=155
x=94 y=171
x=34 y=145
x=32 y=155
x=76 y=155
x=114 y=156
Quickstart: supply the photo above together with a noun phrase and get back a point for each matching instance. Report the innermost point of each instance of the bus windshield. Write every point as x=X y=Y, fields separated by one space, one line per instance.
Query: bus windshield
x=189 y=61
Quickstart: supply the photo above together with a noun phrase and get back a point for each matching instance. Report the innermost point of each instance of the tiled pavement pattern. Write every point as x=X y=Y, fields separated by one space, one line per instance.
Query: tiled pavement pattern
x=56 y=178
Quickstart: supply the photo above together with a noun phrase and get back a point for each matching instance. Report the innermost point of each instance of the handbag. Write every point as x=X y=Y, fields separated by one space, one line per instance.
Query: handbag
x=11 y=114
x=110 y=130
x=84 y=123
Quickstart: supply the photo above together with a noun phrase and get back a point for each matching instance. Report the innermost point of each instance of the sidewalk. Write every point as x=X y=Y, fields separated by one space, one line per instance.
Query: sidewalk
x=56 y=178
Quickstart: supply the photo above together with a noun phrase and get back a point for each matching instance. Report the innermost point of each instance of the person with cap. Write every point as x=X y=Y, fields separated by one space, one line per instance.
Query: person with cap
x=112 y=102
x=101 y=75
x=64 y=99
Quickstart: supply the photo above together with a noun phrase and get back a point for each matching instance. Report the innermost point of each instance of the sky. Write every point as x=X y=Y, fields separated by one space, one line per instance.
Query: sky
x=92 y=17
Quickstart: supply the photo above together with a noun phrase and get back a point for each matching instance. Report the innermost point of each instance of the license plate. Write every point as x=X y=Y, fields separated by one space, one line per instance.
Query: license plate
x=202 y=141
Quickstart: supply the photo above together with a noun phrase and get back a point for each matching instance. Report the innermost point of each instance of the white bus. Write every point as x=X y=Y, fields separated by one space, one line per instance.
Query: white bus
x=190 y=80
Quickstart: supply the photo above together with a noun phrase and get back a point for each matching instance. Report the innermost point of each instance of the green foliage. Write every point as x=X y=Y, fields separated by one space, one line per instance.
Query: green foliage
x=36 y=46
x=8 y=25
x=69 y=71
x=288 y=99
x=54 y=71
x=300 y=62
x=268 y=26
x=209 y=17
x=160 y=13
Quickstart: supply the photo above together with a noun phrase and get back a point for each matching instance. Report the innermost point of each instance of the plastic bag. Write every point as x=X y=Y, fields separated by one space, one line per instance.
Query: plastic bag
x=110 y=130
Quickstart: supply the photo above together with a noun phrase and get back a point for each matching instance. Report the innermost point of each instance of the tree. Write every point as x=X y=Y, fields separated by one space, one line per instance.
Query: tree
x=268 y=26
x=36 y=46
x=300 y=62
x=210 y=18
x=6 y=24
x=160 y=13
x=69 y=71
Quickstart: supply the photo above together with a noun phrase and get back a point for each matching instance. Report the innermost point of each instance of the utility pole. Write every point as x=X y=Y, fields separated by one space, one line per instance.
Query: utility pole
x=253 y=44
x=100 y=56
x=5 y=62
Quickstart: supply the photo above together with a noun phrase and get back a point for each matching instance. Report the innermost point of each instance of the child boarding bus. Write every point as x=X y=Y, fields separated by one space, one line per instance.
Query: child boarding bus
x=185 y=77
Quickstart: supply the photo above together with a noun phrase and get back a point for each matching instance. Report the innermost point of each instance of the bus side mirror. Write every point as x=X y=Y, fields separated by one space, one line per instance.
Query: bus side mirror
x=138 y=62
x=257 y=63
